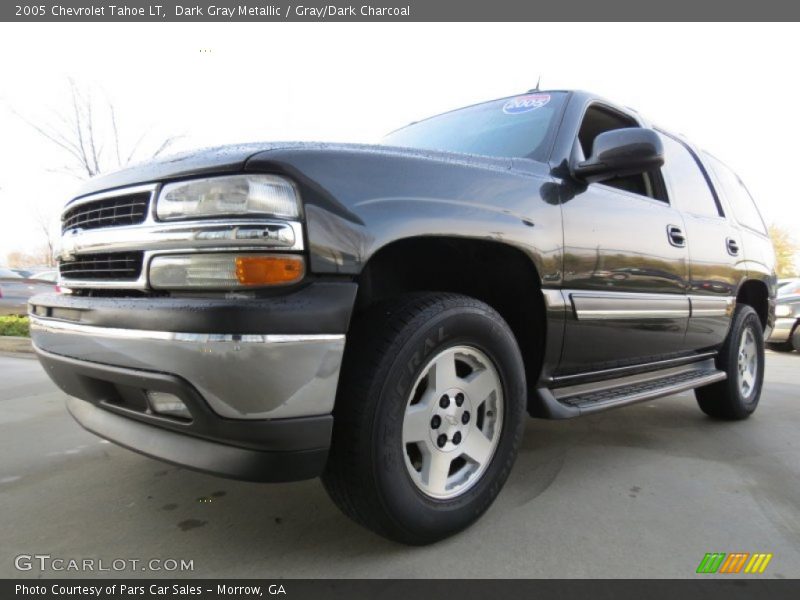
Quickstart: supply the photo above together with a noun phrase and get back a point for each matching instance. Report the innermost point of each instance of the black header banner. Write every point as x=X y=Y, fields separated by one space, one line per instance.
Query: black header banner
x=396 y=10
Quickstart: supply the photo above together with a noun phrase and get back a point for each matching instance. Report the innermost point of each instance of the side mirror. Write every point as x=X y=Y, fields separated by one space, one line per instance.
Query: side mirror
x=619 y=153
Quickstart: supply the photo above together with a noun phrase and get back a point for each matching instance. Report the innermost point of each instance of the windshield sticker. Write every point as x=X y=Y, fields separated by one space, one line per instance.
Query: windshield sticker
x=523 y=104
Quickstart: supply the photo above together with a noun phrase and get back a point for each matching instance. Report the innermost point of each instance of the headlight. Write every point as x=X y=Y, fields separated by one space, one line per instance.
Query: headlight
x=233 y=195
x=225 y=271
x=783 y=310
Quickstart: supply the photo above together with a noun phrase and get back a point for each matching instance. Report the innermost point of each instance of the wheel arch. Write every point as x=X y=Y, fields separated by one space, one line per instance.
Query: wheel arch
x=755 y=293
x=499 y=274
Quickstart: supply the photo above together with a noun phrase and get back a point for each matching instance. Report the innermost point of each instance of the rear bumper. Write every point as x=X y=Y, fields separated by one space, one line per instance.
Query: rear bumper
x=782 y=330
x=260 y=402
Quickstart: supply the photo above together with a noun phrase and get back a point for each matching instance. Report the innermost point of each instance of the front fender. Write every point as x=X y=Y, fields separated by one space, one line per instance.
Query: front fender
x=359 y=199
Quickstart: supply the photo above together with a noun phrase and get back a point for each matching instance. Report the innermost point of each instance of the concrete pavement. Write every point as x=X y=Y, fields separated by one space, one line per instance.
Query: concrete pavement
x=643 y=491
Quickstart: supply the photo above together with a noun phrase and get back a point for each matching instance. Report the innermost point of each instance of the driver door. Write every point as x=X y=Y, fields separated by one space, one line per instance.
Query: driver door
x=625 y=265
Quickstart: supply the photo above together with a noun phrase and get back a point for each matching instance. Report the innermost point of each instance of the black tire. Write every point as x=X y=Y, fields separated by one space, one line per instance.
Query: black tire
x=387 y=350
x=780 y=346
x=725 y=399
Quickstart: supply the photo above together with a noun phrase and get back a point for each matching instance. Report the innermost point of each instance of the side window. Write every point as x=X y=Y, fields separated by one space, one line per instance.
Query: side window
x=598 y=120
x=738 y=197
x=689 y=188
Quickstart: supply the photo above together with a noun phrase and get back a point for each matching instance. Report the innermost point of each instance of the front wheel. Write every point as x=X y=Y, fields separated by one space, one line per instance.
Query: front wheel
x=742 y=359
x=428 y=418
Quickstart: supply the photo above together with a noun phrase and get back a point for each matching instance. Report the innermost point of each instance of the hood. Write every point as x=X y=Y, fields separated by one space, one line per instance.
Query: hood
x=220 y=159
x=234 y=158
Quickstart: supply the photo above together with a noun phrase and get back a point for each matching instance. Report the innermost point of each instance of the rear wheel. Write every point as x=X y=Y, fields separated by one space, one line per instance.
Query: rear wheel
x=742 y=359
x=429 y=417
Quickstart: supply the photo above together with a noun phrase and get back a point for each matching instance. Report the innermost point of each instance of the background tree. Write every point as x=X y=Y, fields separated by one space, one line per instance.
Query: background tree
x=785 y=251
x=88 y=133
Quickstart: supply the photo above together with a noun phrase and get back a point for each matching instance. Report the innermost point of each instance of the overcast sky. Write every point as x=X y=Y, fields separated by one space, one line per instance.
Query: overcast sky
x=732 y=89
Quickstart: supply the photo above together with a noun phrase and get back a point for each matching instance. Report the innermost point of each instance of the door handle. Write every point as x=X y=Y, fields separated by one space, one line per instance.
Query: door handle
x=733 y=247
x=675 y=236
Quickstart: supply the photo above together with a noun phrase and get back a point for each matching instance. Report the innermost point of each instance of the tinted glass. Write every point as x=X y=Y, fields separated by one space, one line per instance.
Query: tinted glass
x=9 y=274
x=518 y=127
x=689 y=190
x=738 y=197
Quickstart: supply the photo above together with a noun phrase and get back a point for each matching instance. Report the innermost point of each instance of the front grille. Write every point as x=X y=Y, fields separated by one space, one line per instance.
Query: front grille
x=114 y=266
x=129 y=209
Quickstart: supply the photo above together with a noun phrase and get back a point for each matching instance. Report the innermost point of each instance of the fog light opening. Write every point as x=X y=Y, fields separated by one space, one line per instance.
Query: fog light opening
x=168 y=405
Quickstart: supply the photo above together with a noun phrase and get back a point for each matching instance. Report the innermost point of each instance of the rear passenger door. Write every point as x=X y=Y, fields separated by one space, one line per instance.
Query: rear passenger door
x=714 y=245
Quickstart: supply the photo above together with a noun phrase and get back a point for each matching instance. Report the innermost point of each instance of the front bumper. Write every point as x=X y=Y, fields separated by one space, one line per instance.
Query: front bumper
x=260 y=401
x=782 y=330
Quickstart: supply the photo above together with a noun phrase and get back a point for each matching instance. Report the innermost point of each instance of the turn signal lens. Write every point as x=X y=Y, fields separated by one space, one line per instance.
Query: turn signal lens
x=269 y=270
x=224 y=271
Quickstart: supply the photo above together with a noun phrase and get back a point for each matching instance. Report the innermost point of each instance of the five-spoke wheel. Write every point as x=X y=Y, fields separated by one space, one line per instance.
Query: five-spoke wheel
x=452 y=422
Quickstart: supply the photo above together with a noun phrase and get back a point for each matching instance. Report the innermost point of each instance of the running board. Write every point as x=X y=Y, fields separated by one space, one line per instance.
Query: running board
x=577 y=400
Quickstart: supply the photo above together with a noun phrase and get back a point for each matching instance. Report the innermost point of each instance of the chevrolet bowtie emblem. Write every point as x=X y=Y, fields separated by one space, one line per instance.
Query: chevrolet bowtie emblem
x=67 y=251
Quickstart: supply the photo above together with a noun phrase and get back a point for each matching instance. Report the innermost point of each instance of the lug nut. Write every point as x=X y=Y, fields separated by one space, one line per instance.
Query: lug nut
x=444 y=401
x=441 y=441
x=457 y=438
x=459 y=399
x=436 y=421
x=465 y=417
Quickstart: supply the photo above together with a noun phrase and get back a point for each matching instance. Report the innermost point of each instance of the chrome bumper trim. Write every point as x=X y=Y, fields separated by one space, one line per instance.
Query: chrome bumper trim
x=240 y=376
x=177 y=238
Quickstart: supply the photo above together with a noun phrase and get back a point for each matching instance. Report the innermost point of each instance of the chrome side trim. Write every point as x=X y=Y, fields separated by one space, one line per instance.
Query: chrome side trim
x=712 y=306
x=616 y=305
x=240 y=376
x=650 y=313
x=599 y=306
x=554 y=299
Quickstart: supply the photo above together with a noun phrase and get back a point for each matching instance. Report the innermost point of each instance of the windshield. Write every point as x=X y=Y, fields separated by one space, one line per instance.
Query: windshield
x=518 y=127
